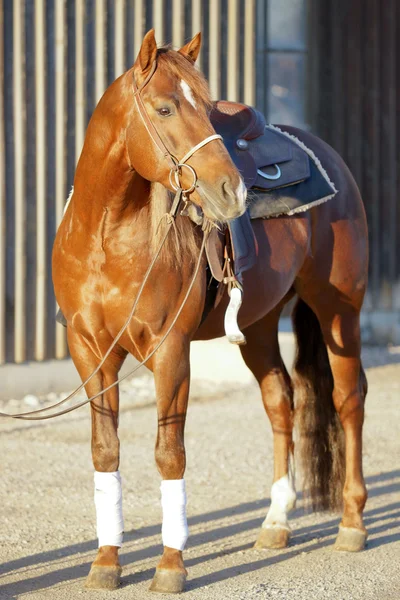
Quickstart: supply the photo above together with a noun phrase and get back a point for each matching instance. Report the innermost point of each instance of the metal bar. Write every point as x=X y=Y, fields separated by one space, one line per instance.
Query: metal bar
x=100 y=67
x=138 y=26
x=60 y=141
x=338 y=51
x=262 y=81
x=214 y=46
x=119 y=53
x=249 y=53
x=313 y=96
x=396 y=282
x=354 y=40
x=159 y=21
x=41 y=233
x=178 y=20
x=320 y=41
x=2 y=200
x=371 y=111
x=19 y=181
x=233 y=50
x=389 y=195
x=79 y=76
x=196 y=24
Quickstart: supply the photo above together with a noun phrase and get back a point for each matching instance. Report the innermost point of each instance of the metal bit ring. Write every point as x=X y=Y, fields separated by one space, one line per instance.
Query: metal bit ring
x=175 y=184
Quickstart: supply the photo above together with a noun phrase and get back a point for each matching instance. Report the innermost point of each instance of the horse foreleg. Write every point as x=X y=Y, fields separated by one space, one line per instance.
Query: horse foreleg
x=262 y=356
x=106 y=570
x=172 y=374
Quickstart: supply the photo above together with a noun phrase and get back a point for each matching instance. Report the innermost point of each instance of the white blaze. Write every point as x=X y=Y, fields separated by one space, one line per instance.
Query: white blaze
x=188 y=93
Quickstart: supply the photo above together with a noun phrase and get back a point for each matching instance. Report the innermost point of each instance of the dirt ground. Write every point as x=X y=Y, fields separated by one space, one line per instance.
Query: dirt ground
x=47 y=534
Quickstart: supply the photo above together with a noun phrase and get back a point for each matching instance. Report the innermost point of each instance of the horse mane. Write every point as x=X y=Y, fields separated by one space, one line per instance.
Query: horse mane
x=183 y=242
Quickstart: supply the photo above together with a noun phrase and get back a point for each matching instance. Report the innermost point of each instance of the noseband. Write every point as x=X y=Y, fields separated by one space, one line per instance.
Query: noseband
x=177 y=166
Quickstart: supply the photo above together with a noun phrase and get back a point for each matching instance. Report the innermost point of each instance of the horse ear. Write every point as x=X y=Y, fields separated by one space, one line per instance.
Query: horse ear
x=148 y=51
x=191 y=49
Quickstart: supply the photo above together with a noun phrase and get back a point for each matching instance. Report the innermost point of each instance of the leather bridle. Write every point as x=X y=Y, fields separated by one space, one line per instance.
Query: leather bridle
x=175 y=175
x=176 y=165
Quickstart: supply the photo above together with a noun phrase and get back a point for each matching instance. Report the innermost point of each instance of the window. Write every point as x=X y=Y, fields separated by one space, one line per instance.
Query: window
x=281 y=51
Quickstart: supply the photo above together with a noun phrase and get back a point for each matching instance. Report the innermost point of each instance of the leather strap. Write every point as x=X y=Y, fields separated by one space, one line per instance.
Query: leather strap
x=153 y=133
x=151 y=130
x=210 y=138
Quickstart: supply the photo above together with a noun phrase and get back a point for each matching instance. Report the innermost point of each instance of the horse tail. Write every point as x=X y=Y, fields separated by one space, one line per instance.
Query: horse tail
x=321 y=439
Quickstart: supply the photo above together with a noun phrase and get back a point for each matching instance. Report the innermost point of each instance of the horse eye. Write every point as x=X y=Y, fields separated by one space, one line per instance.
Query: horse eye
x=164 y=112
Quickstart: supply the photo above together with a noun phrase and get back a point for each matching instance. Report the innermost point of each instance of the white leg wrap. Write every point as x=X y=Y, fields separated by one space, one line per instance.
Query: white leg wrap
x=283 y=500
x=232 y=331
x=174 y=525
x=108 y=501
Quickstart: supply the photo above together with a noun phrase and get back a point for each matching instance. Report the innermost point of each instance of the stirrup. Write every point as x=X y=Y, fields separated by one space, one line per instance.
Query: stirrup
x=232 y=331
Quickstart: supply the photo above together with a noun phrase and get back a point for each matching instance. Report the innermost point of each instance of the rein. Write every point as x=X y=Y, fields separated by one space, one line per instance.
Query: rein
x=181 y=194
x=27 y=416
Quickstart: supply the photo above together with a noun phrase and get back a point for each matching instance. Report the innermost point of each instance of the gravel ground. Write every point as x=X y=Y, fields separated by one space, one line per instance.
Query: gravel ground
x=47 y=539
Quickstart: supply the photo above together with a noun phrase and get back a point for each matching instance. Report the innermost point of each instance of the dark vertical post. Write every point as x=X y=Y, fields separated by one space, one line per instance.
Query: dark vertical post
x=355 y=83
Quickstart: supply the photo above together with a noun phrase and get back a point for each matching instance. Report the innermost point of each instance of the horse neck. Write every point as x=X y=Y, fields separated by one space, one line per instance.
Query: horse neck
x=104 y=179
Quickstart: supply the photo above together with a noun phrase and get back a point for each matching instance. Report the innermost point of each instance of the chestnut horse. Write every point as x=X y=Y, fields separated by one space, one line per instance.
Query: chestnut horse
x=103 y=247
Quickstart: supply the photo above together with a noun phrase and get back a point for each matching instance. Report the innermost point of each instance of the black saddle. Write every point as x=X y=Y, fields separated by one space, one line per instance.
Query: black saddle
x=285 y=177
x=266 y=158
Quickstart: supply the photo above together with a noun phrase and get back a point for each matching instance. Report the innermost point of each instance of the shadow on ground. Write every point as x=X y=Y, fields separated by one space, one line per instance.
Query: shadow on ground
x=379 y=485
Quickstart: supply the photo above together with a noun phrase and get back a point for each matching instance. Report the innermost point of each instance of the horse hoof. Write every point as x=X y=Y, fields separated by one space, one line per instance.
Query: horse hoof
x=103 y=578
x=350 y=539
x=272 y=537
x=168 y=582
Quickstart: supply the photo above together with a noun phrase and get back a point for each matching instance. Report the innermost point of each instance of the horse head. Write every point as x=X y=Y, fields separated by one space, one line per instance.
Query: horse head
x=170 y=120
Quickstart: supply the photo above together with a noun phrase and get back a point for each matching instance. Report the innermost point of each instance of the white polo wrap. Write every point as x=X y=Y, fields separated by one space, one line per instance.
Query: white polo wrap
x=108 y=501
x=174 y=525
x=283 y=500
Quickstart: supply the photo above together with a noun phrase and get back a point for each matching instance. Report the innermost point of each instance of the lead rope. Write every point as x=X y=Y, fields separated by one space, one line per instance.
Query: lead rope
x=27 y=416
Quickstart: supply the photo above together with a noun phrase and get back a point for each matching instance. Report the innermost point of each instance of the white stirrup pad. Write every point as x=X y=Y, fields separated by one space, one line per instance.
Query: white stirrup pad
x=108 y=501
x=232 y=331
x=173 y=501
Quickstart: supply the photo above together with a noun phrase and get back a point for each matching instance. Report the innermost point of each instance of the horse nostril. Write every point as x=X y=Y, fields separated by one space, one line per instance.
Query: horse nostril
x=235 y=196
x=228 y=192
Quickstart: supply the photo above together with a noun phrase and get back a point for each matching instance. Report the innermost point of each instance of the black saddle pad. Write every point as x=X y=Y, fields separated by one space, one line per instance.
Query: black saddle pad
x=303 y=184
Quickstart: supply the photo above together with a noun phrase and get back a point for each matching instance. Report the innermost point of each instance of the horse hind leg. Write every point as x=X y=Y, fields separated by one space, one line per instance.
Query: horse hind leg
x=106 y=570
x=350 y=389
x=331 y=388
x=262 y=356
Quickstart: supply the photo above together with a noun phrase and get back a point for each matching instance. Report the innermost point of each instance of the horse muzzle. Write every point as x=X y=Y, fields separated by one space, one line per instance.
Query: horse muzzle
x=222 y=202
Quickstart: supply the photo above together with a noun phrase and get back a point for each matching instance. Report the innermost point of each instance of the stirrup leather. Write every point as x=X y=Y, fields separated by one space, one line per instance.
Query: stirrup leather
x=232 y=331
